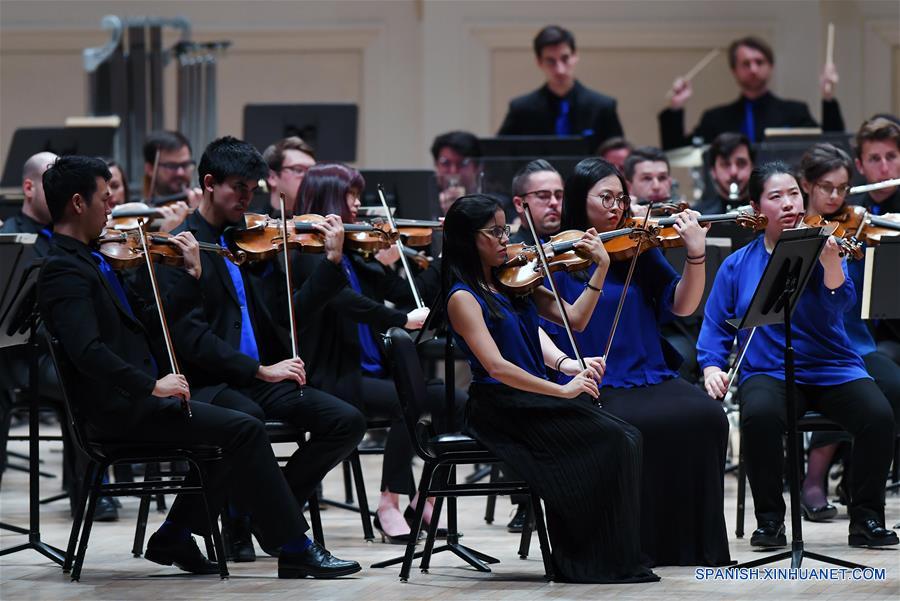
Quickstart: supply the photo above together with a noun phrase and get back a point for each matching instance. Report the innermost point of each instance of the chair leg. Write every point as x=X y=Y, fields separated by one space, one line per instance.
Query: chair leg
x=491 y=504
x=140 y=529
x=542 y=536
x=525 y=540
x=78 y=520
x=425 y=563
x=213 y=521
x=210 y=548
x=364 y=514
x=89 y=520
x=348 y=482
x=315 y=516
x=424 y=487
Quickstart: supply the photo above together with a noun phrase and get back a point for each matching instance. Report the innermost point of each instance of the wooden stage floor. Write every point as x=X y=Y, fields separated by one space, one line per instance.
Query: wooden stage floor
x=111 y=573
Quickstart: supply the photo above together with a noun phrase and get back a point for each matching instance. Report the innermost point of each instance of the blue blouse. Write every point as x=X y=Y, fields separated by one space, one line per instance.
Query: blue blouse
x=822 y=351
x=637 y=356
x=370 y=360
x=516 y=335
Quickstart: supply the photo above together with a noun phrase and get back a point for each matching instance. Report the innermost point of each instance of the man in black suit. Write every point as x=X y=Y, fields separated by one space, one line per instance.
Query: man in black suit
x=124 y=396
x=878 y=159
x=562 y=106
x=751 y=60
x=540 y=185
x=235 y=345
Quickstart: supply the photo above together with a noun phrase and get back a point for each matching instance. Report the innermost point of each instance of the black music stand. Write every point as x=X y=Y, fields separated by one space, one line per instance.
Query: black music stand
x=792 y=262
x=19 y=322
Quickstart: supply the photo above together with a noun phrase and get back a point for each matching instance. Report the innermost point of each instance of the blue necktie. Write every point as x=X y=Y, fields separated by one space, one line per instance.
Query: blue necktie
x=562 y=121
x=110 y=275
x=875 y=208
x=46 y=233
x=749 y=122
x=248 y=338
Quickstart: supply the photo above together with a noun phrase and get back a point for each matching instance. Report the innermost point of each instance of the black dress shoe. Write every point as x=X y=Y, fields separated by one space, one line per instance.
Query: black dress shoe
x=238 y=544
x=398 y=539
x=105 y=510
x=769 y=534
x=410 y=515
x=517 y=524
x=183 y=553
x=818 y=514
x=871 y=533
x=316 y=562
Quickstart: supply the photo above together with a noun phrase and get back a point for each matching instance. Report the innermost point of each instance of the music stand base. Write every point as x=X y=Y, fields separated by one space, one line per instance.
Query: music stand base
x=476 y=559
x=11 y=528
x=796 y=555
x=35 y=543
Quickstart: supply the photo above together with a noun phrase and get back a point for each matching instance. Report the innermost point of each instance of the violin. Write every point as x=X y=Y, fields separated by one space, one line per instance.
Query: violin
x=125 y=250
x=858 y=223
x=850 y=246
x=261 y=237
x=522 y=272
x=667 y=237
x=414 y=232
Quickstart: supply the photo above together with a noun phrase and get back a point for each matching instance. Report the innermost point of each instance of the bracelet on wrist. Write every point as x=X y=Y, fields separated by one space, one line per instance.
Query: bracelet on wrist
x=559 y=362
x=594 y=288
x=698 y=257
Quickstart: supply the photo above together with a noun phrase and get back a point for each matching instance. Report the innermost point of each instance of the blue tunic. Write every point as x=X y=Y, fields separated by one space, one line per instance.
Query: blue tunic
x=636 y=357
x=822 y=350
x=516 y=336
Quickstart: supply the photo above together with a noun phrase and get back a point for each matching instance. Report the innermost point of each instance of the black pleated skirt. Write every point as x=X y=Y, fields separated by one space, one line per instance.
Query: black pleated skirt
x=685 y=434
x=584 y=463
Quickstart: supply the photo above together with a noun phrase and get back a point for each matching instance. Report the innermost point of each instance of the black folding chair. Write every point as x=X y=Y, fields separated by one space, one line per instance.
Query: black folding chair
x=441 y=453
x=102 y=455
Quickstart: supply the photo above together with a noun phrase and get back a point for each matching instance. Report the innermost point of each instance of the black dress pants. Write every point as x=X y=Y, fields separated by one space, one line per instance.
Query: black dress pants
x=858 y=406
x=335 y=427
x=248 y=473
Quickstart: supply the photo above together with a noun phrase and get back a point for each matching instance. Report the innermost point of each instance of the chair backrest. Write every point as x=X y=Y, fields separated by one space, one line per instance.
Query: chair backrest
x=66 y=373
x=409 y=380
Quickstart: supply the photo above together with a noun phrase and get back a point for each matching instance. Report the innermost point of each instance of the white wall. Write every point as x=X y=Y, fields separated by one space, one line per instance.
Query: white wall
x=420 y=67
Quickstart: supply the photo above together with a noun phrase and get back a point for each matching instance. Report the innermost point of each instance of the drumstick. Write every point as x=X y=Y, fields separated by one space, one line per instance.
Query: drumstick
x=829 y=49
x=698 y=67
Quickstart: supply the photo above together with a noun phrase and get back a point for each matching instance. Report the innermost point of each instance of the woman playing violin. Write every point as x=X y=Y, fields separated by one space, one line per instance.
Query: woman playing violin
x=684 y=432
x=342 y=349
x=831 y=376
x=580 y=460
x=825 y=171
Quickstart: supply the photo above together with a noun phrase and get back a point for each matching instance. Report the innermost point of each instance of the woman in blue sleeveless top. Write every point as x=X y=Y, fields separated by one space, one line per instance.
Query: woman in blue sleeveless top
x=825 y=171
x=583 y=462
x=830 y=375
x=685 y=432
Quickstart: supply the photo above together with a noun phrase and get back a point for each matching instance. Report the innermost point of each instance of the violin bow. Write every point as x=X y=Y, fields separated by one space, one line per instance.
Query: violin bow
x=173 y=362
x=400 y=246
x=151 y=192
x=546 y=267
x=637 y=253
x=288 y=280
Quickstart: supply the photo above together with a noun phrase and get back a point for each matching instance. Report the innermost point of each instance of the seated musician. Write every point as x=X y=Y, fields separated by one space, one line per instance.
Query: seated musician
x=234 y=346
x=684 y=433
x=125 y=397
x=825 y=172
x=288 y=159
x=615 y=150
x=343 y=351
x=831 y=377
x=752 y=61
x=583 y=462
x=540 y=185
x=730 y=158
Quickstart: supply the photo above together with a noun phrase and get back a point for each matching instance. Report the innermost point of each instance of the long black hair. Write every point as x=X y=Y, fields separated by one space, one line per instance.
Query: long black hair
x=459 y=259
x=587 y=173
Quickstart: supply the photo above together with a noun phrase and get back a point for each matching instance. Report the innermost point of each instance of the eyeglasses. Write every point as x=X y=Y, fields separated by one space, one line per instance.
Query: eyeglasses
x=498 y=231
x=295 y=169
x=829 y=189
x=445 y=162
x=187 y=166
x=608 y=200
x=545 y=196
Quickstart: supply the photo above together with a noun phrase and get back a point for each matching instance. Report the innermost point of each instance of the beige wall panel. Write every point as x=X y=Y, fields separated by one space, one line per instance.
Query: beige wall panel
x=896 y=75
x=637 y=77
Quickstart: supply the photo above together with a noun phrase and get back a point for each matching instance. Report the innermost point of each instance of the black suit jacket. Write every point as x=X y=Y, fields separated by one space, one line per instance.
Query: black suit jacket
x=207 y=338
x=593 y=115
x=330 y=346
x=23 y=224
x=110 y=349
x=770 y=111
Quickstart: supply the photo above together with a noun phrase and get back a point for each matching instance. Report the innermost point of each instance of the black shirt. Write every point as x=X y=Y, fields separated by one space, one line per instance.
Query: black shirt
x=23 y=224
